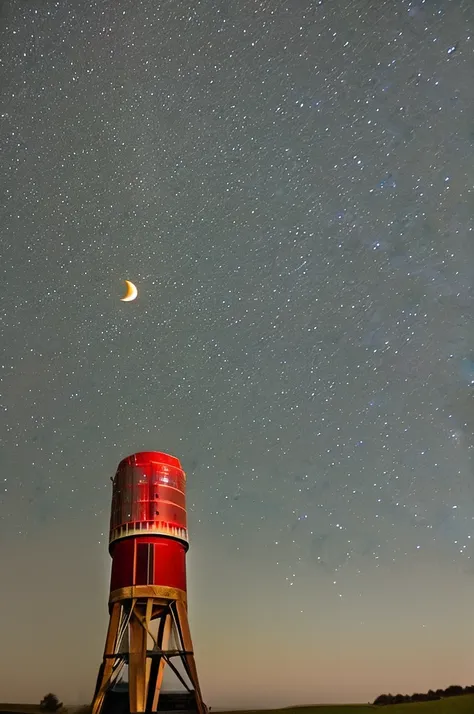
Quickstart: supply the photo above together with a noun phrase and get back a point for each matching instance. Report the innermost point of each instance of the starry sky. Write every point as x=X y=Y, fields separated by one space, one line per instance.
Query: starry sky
x=290 y=184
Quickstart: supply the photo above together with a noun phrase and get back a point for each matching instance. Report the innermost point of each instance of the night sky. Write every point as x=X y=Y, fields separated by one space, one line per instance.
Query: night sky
x=290 y=185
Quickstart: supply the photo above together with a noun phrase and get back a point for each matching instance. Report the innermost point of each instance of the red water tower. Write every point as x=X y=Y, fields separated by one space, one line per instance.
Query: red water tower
x=148 y=626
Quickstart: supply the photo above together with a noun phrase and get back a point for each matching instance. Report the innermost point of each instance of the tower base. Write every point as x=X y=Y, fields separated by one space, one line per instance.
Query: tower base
x=147 y=648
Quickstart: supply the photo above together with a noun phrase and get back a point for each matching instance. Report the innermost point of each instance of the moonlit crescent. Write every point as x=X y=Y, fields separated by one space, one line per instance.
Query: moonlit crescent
x=131 y=293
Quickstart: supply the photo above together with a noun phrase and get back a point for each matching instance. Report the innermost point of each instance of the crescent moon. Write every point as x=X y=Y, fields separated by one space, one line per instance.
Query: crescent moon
x=131 y=293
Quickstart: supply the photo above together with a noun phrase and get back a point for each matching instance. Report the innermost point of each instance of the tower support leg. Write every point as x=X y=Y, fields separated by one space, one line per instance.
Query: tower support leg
x=188 y=655
x=107 y=667
x=164 y=633
x=137 y=664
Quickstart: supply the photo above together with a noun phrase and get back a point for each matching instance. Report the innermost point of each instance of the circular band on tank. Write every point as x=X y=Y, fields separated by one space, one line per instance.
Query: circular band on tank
x=146 y=591
x=149 y=498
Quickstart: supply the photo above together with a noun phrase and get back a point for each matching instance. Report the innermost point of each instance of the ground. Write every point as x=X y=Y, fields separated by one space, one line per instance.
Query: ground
x=451 y=705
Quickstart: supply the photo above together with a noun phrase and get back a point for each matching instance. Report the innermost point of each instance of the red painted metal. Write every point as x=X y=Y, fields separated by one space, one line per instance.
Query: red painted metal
x=148 y=560
x=148 y=526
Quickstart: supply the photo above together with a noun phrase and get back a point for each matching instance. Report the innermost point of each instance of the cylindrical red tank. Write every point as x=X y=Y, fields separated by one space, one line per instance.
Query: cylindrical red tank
x=148 y=526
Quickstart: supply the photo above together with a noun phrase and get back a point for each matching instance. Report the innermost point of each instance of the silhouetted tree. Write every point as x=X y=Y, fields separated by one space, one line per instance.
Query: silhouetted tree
x=382 y=700
x=419 y=697
x=50 y=703
x=453 y=691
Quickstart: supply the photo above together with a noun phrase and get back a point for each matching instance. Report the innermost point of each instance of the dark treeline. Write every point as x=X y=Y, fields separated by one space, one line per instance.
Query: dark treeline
x=453 y=691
